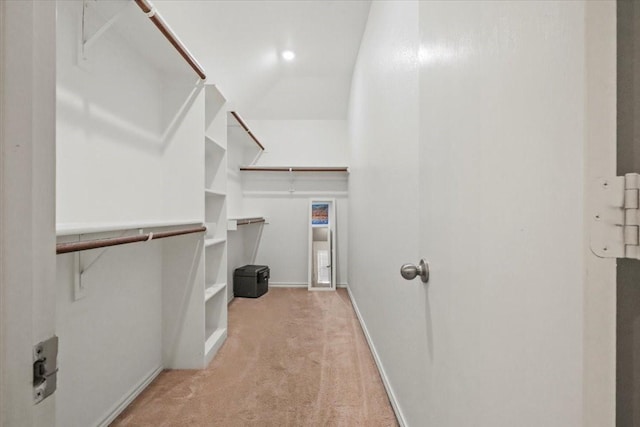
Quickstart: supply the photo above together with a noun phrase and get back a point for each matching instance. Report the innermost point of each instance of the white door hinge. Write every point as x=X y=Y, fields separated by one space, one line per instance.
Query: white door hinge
x=615 y=222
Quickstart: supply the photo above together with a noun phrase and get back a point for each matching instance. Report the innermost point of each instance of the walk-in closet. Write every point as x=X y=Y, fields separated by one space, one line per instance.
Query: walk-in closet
x=318 y=213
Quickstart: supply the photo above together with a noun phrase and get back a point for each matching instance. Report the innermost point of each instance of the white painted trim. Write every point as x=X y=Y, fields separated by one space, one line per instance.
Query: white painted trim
x=213 y=344
x=385 y=380
x=126 y=401
x=28 y=203
x=599 y=304
x=299 y=285
x=295 y=193
x=3 y=321
x=287 y=285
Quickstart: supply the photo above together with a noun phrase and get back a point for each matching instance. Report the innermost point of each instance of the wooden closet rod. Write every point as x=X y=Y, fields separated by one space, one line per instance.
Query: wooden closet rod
x=63 y=248
x=155 y=17
x=246 y=129
x=247 y=221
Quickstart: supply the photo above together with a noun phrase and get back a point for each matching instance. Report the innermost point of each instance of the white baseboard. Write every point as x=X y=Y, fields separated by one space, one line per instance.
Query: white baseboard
x=287 y=285
x=117 y=410
x=376 y=358
x=298 y=285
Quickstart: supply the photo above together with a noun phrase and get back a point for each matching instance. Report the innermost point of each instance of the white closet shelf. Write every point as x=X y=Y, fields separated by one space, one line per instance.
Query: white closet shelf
x=214 y=340
x=70 y=229
x=233 y=223
x=342 y=169
x=213 y=290
x=213 y=242
x=295 y=193
x=211 y=192
x=213 y=143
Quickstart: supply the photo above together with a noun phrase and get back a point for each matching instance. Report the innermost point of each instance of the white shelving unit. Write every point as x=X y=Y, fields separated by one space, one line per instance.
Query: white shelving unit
x=213 y=290
x=195 y=314
x=213 y=143
x=214 y=192
x=215 y=216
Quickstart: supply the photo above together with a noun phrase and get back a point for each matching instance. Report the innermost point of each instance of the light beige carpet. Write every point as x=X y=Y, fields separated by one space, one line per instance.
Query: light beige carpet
x=292 y=358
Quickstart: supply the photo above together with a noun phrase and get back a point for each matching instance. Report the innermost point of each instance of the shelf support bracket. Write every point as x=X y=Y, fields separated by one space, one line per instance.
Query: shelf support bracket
x=79 y=289
x=292 y=188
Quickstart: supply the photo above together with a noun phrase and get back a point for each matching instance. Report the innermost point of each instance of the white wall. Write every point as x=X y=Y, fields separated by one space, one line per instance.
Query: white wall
x=283 y=243
x=130 y=137
x=302 y=142
x=383 y=201
x=27 y=203
x=123 y=135
x=111 y=340
x=241 y=150
x=488 y=102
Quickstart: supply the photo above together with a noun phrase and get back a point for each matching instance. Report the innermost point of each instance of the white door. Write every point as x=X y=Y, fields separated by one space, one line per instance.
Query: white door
x=517 y=116
x=27 y=203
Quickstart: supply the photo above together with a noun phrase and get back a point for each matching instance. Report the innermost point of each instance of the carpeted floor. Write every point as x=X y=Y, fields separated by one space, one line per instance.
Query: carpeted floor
x=292 y=358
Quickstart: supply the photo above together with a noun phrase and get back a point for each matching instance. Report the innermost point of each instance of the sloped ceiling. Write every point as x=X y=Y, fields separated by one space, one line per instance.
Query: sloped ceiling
x=239 y=43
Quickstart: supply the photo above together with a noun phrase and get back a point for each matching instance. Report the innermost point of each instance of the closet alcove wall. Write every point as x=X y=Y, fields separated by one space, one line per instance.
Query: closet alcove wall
x=244 y=240
x=130 y=155
x=283 y=197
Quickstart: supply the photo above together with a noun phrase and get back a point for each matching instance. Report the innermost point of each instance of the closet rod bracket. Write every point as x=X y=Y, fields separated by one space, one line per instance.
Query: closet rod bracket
x=292 y=188
x=79 y=269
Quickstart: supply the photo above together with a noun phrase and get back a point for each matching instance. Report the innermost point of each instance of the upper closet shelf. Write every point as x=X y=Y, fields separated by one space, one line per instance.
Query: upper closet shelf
x=244 y=126
x=131 y=22
x=343 y=169
x=211 y=192
x=233 y=223
x=214 y=143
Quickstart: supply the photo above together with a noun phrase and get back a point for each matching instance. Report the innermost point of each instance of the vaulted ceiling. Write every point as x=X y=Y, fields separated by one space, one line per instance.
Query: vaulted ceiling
x=239 y=43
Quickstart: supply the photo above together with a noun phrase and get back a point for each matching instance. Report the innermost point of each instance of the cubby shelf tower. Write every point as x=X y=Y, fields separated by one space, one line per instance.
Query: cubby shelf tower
x=195 y=321
x=215 y=216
